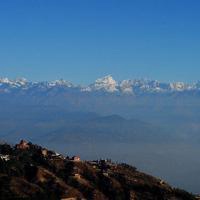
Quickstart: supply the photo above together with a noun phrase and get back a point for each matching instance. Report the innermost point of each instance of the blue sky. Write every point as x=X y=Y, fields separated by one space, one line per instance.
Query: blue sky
x=81 y=40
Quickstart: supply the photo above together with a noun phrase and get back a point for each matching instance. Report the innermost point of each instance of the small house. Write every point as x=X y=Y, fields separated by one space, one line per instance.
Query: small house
x=44 y=152
x=76 y=158
x=23 y=145
x=76 y=175
x=4 y=157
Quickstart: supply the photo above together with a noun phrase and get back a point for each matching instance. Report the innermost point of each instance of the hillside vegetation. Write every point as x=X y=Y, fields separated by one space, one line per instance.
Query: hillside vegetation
x=28 y=171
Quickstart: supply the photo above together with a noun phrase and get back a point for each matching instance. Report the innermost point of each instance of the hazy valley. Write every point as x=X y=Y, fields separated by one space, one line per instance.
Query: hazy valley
x=149 y=128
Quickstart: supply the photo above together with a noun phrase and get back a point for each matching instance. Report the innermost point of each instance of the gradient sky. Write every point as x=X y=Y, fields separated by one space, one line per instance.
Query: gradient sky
x=81 y=40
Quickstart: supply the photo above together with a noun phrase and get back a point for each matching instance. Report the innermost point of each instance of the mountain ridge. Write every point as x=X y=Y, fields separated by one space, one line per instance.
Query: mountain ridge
x=106 y=84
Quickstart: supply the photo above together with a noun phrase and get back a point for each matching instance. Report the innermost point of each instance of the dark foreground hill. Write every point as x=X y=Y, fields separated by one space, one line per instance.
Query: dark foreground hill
x=29 y=171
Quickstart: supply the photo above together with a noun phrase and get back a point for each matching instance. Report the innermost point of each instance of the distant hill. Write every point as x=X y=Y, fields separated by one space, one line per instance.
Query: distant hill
x=53 y=124
x=29 y=171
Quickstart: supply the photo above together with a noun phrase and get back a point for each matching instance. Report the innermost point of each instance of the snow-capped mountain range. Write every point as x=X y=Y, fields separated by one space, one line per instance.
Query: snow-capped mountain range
x=106 y=84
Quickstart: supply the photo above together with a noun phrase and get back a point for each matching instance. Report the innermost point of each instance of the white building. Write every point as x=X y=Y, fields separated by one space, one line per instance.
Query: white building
x=4 y=157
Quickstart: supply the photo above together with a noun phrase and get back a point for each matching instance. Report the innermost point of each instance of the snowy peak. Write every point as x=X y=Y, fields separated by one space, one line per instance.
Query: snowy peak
x=61 y=82
x=19 y=82
x=178 y=86
x=4 y=80
x=22 y=82
x=106 y=83
x=126 y=86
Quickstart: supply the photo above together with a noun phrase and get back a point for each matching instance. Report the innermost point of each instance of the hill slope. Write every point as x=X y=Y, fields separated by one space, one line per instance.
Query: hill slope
x=29 y=171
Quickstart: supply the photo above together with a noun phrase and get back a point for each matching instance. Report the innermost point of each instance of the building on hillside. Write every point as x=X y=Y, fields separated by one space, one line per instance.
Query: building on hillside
x=4 y=157
x=76 y=172
x=56 y=155
x=77 y=176
x=23 y=145
x=94 y=163
x=44 y=152
x=76 y=158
